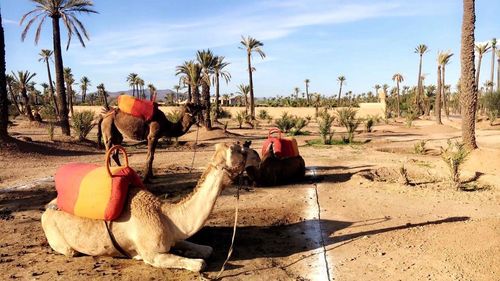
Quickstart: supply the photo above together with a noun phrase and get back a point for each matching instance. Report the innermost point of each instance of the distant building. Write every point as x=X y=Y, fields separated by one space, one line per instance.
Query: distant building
x=226 y=100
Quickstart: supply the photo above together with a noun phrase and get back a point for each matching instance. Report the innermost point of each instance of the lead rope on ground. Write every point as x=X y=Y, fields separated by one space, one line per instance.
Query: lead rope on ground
x=230 y=251
x=321 y=232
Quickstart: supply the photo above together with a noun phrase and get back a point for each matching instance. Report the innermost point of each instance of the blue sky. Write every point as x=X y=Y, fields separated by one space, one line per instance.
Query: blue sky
x=366 y=41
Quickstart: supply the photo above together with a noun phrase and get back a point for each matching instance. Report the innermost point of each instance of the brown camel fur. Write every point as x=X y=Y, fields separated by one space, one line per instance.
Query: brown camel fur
x=273 y=170
x=115 y=123
x=148 y=228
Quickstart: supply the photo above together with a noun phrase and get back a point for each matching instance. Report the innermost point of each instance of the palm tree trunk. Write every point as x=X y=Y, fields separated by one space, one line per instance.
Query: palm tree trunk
x=195 y=94
x=189 y=94
x=498 y=75
x=252 y=105
x=4 y=106
x=307 y=95
x=70 y=99
x=84 y=94
x=52 y=96
x=437 y=106
x=479 y=59
x=419 y=85
x=61 y=91
x=205 y=90
x=27 y=105
x=444 y=96
x=492 y=77
x=468 y=86
x=340 y=92
x=216 y=96
x=397 y=99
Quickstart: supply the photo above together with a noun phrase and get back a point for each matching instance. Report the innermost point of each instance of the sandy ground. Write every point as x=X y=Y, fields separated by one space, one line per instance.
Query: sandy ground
x=367 y=225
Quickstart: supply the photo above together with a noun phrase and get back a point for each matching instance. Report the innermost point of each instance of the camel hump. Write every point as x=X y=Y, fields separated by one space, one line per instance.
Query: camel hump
x=136 y=107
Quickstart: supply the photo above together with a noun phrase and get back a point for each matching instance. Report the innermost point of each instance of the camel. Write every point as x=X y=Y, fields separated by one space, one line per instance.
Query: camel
x=148 y=229
x=272 y=170
x=114 y=124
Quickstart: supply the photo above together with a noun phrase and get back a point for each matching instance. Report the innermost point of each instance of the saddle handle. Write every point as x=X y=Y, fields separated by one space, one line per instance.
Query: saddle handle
x=273 y=131
x=108 y=157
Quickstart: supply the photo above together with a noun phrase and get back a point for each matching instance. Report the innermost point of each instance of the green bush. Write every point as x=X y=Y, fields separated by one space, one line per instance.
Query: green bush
x=325 y=127
x=410 y=115
x=347 y=118
x=263 y=114
x=491 y=101
x=224 y=113
x=492 y=116
x=370 y=121
x=419 y=147
x=241 y=117
x=454 y=156
x=298 y=124
x=285 y=123
x=82 y=123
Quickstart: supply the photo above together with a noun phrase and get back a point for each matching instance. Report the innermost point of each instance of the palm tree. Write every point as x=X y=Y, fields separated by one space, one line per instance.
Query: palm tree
x=468 y=85
x=398 y=78
x=11 y=84
x=443 y=60
x=139 y=82
x=69 y=80
x=177 y=88
x=251 y=45
x=420 y=50
x=190 y=72
x=45 y=56
x=66 y=10
x=243 y=92
x=101 y=90
x=296 y=92
x=219 y=71
x=152 y=92
x=84 y=86
x=481 y=49
x=377 y=87
x=4 y=106
x=132 y=79
x=341 y=80
x=207 y=60
x=437 y=105
x=307 y=81
x=23 y=79
x=493 y=52
x=498 y=70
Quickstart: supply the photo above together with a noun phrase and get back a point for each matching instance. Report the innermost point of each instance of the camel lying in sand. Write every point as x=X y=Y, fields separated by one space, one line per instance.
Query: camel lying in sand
x=148 y=228
x=272 y=170
x=114 y=124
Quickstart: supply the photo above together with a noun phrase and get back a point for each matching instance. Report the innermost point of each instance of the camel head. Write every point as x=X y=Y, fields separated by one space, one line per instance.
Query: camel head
x=253 y=158
x=230 y=157
x=192 y=110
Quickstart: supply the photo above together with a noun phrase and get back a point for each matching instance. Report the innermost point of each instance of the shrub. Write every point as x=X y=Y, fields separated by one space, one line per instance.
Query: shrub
x=298 y=124
x=492 y=116
x=50 y=130
x=419 y=147
x=285 y=123
x=224 y=113
x=263 y=114
x=174 y=116
x=454 y=156
x=325 y=127
x=82 y=123
x=410 y=115
x=347 y=118
x=48 y=112
x=491 y=101
x=370 y=121
x=241 y=117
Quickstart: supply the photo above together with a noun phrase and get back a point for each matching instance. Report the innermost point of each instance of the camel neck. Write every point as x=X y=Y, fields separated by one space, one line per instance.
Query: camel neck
x=180 y=127
x=190 y=214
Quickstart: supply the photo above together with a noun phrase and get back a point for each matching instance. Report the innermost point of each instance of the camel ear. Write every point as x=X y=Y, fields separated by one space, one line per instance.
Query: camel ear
x=220 y=146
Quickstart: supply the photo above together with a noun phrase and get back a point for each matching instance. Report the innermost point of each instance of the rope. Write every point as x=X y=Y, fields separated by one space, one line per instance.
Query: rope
x=321 y=232
x=230 y=251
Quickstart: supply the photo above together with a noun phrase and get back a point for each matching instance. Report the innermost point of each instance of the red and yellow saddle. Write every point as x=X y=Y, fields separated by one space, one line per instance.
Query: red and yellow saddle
x=95 y=192
x=136 y=107
x=282 y=147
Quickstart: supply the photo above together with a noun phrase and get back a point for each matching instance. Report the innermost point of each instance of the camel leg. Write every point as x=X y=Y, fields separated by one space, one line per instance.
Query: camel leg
x=193 y=250
x=154 y=134
x=167 y=260
x=111 y=136
x=54 y=237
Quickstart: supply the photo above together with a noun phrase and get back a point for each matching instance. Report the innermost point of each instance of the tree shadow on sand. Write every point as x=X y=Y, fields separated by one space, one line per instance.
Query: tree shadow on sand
x=285 y=240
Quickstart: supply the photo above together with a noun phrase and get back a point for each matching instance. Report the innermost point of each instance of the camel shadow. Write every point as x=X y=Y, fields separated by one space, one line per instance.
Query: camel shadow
x=275 y=241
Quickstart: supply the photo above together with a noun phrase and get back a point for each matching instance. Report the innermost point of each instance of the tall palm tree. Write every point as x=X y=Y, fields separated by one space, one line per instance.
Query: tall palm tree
x=152 y=92
x=69 y=80
x=243 y=92
x=139 y=82
x=498 y=70
x=468 y=85
x=420 y=50
x=377 y=87
x=443 y=60
x=4 y=106
x=101 y=90
x=132 y=79
x=11 y=84
x=481 y=49
x=307 y=81
x=67 y=10
x=219 y=71
x=341 y=80
x=493 y=53
x=398 y=78
x=177 y=88
x=207 y=60
x=251 y=45
x=23 y=79
x=84 y=86
x=45 y=56
x=437 y=104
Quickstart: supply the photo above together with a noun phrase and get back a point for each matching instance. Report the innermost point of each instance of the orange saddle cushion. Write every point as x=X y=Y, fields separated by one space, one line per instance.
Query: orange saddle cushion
x=282 y=147
x=87 y=190
x=136 y=107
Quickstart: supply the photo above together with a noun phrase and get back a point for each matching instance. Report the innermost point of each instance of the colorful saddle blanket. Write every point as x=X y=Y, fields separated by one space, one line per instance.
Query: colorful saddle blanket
x=139 y=108
x=87 y=190
x=282 y=147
